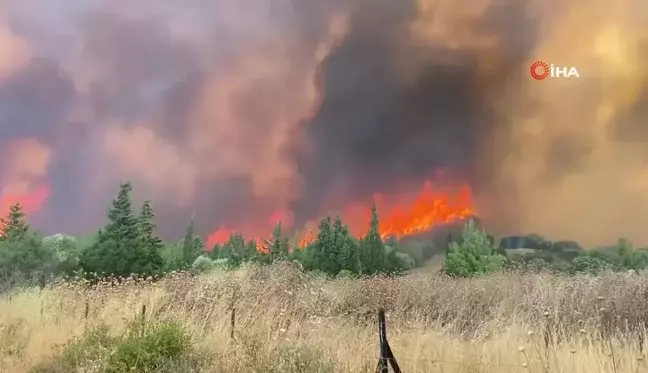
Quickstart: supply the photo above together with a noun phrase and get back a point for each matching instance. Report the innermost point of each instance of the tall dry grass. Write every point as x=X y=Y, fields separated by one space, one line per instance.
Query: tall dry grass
x=289 y=321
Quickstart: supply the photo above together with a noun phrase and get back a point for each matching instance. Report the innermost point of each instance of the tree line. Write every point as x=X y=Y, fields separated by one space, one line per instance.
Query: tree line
x=128 y=245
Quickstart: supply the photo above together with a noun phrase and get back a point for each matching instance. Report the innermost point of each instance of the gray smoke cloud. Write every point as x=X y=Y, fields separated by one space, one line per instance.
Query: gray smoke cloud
x=234 y=113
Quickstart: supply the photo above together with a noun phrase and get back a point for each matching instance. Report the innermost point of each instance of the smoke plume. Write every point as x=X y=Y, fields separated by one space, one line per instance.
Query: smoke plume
x=243 y=114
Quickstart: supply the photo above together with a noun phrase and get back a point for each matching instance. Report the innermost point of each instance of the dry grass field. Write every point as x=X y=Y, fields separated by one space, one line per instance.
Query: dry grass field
x=288 y=321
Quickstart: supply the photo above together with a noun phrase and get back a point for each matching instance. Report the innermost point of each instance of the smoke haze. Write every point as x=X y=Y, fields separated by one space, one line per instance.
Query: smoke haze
x=245 y=114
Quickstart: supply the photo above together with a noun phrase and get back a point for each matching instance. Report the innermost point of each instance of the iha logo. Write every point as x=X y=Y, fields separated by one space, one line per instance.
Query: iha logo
x=540 y=70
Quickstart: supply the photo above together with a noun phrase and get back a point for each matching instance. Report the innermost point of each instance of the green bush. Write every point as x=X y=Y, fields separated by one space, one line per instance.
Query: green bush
x=474 y=256
x=405 y=261
x=345 y=274
x=590 y=264
x=202 y=264
x=148 y=348
x=145 y=348
x=537 y=264
x=222 y=264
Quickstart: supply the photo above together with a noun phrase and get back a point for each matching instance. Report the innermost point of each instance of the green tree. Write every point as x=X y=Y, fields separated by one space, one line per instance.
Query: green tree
x=323 y=252
x=25 y=261
x=14 y=226
x=150 y=246
x=397 y=262
x=277 y=246
x=251 y=252
x=629 y=258
x=346 y=247
x=590 y=264
x=23 y=257
x=474 y=256
x=372 y=249
x=304 y=255
x=117 y=249
x=66 y=251
x=214 y=253
x=192 y=246
x=172 y=258
x=233 y=250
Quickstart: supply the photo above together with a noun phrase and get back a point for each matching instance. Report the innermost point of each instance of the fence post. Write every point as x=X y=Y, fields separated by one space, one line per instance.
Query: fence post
x=232 y=308
x=232 y=322
x=143 y=326
x=386 y=356
x=86 y=312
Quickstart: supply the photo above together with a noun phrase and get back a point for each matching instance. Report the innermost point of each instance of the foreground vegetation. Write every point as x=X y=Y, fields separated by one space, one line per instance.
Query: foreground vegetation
x=287 y=320
x=123 y=300
x=127 y=245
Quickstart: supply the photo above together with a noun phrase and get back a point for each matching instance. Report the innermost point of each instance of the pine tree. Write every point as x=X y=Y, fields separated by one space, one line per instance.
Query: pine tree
x=475 y=255
x=233 y=249
x=192 y=246
x=250 y=252
x=150 y=244
x=324 y=255
x=215 y=251
x=372 y=249
x=278 y=248
x=116 y=250
x=347 y=249
x=23 y=257
x=14 y=227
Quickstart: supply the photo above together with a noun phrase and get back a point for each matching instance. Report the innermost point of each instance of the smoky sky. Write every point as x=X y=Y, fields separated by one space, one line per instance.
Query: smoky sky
x=372 y=128
x=383 y=130
x=206 y=106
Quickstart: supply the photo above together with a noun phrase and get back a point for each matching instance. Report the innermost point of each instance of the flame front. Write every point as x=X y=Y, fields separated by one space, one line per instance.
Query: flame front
x=428 y=210
x=399 y=215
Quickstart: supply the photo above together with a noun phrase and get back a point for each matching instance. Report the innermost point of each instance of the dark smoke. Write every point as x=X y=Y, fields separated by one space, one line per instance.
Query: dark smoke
x=374 y=128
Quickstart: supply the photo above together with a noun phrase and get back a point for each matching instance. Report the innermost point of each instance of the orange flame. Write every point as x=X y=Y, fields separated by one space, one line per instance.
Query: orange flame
x=31 y=202
x=398 y=216
x=428 y=209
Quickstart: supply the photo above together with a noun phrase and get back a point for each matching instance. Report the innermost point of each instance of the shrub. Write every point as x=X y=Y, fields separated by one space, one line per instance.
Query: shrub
x=148 y=348
x=405 y=261
x=474 y=256
x=590 y=264
x=537 y=264
x=158 y=347
x=202 y=264
x=318 y=275
x=222 y=264
x=345 y=274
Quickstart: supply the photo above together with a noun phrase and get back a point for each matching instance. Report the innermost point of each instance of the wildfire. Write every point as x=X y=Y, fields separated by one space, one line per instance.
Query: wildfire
x=430 y=208
x=399 y=216
x=31 y=202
